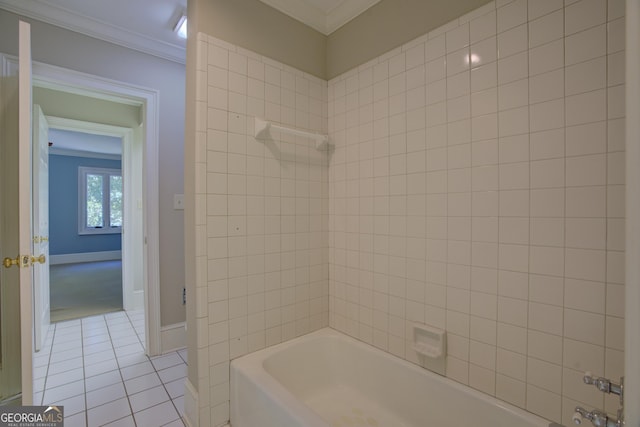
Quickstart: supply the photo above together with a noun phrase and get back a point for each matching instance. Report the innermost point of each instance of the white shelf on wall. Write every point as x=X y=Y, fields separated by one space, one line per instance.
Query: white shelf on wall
x=262 y=128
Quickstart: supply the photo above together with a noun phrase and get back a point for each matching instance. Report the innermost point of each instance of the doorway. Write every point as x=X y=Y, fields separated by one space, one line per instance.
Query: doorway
x=123 y=114
x=93 y=193
x=143 y=197
x=86 y=222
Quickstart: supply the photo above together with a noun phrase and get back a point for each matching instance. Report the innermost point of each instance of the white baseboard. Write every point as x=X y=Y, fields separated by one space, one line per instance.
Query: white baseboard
x=133 y=303
x=173 y=337
x=191 y=407
x=137 y=302
x=85 y=257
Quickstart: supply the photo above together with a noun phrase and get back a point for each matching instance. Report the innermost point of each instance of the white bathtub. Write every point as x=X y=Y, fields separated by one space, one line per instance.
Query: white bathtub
x=327 y=379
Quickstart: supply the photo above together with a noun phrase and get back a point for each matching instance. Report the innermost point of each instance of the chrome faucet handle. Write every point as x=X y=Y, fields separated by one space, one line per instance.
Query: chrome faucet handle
x=605 y=385
x=581 y=414
x=588 y=377
x=601 y=384
x=597 y=418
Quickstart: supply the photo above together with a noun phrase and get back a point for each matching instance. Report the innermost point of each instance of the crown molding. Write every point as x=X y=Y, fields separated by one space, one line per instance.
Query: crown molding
x=96 y=28
x=325 y=22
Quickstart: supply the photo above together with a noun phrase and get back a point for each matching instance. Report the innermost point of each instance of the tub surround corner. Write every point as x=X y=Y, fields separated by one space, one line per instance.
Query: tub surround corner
x=475 y=184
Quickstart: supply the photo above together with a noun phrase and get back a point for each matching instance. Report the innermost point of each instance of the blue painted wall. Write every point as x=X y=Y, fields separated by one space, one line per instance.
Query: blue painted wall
x=63 y=208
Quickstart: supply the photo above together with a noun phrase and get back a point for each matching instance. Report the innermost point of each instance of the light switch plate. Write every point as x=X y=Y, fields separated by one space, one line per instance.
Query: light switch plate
x=178 y=202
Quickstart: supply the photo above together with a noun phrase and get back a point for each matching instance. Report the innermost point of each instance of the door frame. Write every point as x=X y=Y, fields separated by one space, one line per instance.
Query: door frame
x=58 y=78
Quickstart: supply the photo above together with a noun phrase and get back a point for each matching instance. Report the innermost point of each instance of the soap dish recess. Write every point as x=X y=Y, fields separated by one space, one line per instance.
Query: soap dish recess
x=429 y=342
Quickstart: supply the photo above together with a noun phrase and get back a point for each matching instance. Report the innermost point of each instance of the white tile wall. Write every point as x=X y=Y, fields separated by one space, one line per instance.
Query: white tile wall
x=261 y=213
x=477 y=185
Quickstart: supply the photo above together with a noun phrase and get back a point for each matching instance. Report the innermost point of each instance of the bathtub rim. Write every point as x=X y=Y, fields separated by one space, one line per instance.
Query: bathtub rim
x=252 y=365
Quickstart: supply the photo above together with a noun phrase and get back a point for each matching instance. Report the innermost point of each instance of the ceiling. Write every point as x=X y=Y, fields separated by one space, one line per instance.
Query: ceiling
x=325 y=16
x=147 y=25
x=76 y=142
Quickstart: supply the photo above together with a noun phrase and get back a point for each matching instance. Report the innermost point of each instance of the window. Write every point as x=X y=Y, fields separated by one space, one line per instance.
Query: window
x=100 y=200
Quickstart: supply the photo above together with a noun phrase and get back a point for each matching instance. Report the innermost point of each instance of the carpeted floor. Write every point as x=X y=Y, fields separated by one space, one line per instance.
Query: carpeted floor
x=85 y=289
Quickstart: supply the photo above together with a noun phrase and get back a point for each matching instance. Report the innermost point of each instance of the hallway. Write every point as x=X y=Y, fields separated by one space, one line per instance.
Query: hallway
x=96 y=368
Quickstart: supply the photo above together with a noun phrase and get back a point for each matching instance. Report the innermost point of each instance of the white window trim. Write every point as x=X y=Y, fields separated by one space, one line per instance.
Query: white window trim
x=83 y=171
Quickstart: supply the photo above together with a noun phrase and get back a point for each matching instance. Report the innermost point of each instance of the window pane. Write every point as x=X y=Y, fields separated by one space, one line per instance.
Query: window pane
x=115 y=197
x=94 y=201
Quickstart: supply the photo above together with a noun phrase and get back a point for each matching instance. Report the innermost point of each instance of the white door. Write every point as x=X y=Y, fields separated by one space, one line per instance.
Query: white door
x=15 y=249
x=40 y=221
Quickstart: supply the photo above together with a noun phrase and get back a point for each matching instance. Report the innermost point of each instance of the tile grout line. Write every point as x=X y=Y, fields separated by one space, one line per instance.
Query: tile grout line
x=120 y=370
x=150 y=360
x=46 y=376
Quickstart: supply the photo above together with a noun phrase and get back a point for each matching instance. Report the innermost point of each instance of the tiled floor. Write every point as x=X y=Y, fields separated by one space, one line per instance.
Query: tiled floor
x=97 y=369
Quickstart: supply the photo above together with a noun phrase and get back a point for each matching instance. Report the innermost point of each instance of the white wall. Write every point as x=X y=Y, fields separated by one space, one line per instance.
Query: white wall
x=488 y=199
x=60 y=47
x=256 y=26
